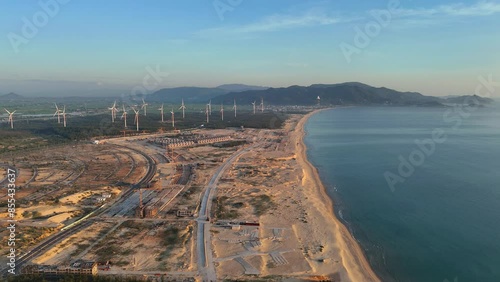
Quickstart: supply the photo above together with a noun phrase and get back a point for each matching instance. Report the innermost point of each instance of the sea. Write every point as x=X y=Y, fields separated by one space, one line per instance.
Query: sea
x=419 y=188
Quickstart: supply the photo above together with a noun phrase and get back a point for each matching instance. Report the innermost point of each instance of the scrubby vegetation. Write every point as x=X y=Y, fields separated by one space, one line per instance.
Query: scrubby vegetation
x=40 y=133
x=173 y=237
x=221 y=210
x=261 y=204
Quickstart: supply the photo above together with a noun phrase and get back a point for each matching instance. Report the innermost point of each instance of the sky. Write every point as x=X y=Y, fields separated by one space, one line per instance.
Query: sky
x=432 y=47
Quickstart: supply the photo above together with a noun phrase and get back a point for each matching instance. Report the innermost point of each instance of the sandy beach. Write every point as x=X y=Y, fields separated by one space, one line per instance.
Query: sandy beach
x=289 y=230
x=299 y=236
x=353 y=259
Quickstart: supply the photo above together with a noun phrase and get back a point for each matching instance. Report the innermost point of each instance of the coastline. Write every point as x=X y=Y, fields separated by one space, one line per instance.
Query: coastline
x=353 y=259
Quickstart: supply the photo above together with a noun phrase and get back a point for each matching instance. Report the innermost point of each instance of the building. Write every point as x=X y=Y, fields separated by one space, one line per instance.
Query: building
x=184 y=213
x=171 y=143
x=77 y=267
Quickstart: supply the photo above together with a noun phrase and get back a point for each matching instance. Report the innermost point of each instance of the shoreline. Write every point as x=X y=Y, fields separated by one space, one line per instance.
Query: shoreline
x=354 y=260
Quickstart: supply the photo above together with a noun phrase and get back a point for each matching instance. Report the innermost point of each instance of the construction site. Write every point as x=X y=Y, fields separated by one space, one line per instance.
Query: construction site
x=130 y=201
x=191 y=205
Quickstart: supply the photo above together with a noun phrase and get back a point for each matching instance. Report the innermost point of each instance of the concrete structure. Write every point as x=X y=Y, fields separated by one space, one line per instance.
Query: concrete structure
x=171 y=143
x=184 y=213
x=180 y=144
x=77 y=267
x=146 y=211
x=214 y=140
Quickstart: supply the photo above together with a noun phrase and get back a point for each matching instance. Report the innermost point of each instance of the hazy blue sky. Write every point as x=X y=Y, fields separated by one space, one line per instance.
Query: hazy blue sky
x=434 y=47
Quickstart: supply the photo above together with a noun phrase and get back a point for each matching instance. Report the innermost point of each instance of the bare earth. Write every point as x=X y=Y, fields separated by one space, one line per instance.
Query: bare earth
x=273 y=184
x=299 y=235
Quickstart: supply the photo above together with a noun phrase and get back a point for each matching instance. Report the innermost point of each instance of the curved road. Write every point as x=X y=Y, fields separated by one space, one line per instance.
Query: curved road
x=205 y=260
x=84 y=222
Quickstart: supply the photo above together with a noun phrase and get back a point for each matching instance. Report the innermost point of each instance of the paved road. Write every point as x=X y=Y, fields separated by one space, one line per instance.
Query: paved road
x=45 y=245
x=205 y=260
x=82 y=223
x=169 y=274
x=6 y=166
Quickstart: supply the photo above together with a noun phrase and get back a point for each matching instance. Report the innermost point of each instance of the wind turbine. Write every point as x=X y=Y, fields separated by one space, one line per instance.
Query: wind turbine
x=182 y=108
x=208 y=113
x=210 y=106
x=11 y=118
x=173 y=117
x=161 y=111
x=318 y=100
x=222 y=111
x=113 y=110
x=124 y=116
x=136 y=120
x=58 y=113
x=234 y=107
x=261 y=104
x=253 y=104
x=144 y=106
x=64 y=115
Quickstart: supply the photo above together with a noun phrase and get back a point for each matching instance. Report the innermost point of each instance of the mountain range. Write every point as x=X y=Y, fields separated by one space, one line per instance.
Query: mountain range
x=198 y=94
x=11 y=96
x=349 y=93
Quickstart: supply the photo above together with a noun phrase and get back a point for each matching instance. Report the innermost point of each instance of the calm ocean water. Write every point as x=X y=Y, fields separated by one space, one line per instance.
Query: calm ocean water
x=443 y=222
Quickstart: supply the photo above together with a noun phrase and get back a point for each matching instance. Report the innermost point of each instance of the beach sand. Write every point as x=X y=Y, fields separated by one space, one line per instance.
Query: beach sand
x=299 y=236
x=352 y=257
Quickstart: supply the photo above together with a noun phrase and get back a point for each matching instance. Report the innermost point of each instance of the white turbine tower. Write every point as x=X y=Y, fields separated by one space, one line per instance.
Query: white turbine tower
x=183 y=107
x=261 y=104
x=208 y=113
x=253 y=104
x=318 y=100
x=136 y=120
x=64 y=115
x=173 y=117
x=210 y=106
x=234 y=107
x=144 y=106
x=161 y=112
x=124 y=116
x=113 y=110
x=58 y=113
x=222 y=111
x=11 y=118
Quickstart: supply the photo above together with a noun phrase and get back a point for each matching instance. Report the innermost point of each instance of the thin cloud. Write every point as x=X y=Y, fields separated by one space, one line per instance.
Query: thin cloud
x=479 y=9
x=452 y=11
x=273 y=23
x=424 y=17
x=318 y=17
